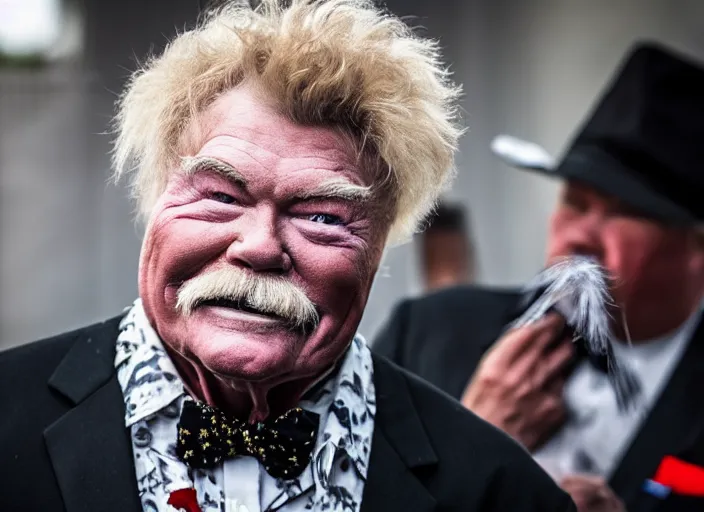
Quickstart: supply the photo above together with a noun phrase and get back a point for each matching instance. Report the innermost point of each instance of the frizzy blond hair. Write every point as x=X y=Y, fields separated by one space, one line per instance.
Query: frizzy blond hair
x=341 y=63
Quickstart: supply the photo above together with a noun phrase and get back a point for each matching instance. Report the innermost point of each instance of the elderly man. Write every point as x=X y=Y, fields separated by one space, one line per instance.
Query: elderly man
x=275 y=152
x=633 y=198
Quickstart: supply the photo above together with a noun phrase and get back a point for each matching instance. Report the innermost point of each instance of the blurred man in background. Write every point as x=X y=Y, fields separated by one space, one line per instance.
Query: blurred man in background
x=447 y=252
x=632 y=197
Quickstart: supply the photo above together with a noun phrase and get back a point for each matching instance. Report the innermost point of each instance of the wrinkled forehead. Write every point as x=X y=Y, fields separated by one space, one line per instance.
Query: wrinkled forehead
x=245 y=112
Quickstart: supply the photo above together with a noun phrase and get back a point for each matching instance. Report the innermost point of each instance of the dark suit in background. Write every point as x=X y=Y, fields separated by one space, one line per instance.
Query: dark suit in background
x=632 y=198
x=442 y=337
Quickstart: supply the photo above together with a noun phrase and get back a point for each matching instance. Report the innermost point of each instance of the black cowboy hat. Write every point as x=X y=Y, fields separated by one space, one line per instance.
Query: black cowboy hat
x=643 y=142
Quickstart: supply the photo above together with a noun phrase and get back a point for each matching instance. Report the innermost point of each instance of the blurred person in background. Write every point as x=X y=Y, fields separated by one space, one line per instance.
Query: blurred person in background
x=446 y=251
x=633 y=198
x=273 y=158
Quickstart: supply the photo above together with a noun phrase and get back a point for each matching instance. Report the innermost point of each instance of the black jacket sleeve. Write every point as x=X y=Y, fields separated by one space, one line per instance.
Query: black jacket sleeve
x=391 y=340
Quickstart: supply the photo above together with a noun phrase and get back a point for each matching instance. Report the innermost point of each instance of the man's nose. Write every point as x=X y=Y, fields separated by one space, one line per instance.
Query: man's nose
x=258 y=245
x=581 y=235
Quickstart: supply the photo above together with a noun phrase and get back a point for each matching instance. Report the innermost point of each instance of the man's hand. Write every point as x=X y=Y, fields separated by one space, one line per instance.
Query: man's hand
x=591 y=494
x=518 y=384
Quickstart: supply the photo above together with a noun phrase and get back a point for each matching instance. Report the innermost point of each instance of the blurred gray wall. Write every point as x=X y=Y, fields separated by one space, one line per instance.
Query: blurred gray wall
x=68 y=246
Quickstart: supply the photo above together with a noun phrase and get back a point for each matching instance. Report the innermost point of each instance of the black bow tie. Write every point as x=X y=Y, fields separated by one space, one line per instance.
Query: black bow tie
x=282 y=445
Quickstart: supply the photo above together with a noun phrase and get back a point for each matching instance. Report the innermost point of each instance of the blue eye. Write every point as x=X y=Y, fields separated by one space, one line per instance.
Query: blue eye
x=222 y=197
x=325 y=218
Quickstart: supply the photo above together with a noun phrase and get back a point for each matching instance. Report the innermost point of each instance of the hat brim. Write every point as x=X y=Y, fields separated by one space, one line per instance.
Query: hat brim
x=596 y=168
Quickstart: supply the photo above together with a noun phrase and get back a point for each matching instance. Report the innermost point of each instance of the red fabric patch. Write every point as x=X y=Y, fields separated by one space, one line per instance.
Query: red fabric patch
x=682 y=477
x=184 y=499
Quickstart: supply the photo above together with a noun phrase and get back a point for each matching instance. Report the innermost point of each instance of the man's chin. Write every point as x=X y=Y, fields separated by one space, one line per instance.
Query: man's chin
x=242 y=346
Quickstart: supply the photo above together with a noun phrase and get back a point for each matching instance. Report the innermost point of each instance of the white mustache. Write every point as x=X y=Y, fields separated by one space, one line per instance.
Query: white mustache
x=268 y=294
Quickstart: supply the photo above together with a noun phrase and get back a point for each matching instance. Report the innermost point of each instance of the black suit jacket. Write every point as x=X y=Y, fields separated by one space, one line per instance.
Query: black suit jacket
x=64 y=445
x=442 y=337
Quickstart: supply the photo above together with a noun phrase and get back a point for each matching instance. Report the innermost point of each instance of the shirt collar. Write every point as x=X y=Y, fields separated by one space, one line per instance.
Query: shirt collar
x=148 y=377
x=347 y=406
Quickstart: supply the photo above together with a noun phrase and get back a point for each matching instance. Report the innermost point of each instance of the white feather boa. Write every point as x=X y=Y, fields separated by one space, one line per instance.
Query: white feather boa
x=577 y=288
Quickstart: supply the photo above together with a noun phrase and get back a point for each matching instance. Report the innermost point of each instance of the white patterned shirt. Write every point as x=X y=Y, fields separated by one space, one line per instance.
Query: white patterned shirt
x=154 y=395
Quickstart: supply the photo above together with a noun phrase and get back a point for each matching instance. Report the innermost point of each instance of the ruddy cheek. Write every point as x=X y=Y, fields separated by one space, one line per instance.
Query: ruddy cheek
x=327 y=275
x=619 y=266
x=151 y=249
x=151 y=279
x=190 y=245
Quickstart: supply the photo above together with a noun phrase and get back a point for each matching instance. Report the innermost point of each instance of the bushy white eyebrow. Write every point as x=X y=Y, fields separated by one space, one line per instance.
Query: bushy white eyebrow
x=337 y=188
x=193 y=164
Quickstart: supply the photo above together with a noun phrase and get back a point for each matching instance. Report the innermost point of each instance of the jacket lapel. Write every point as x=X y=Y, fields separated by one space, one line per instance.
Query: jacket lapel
x=670 y=428
x=400 y=448
x=89 y=447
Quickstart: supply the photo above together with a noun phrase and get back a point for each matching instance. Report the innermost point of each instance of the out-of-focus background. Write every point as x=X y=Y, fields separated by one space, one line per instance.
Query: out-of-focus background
x=69 y=247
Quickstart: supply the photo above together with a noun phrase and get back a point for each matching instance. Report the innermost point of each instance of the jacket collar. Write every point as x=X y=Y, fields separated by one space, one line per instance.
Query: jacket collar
x=673 y=427
x=89 y=446
x=400 y=448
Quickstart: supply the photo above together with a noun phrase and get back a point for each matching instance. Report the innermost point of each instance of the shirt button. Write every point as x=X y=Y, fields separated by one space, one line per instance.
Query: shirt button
x=235 y=506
